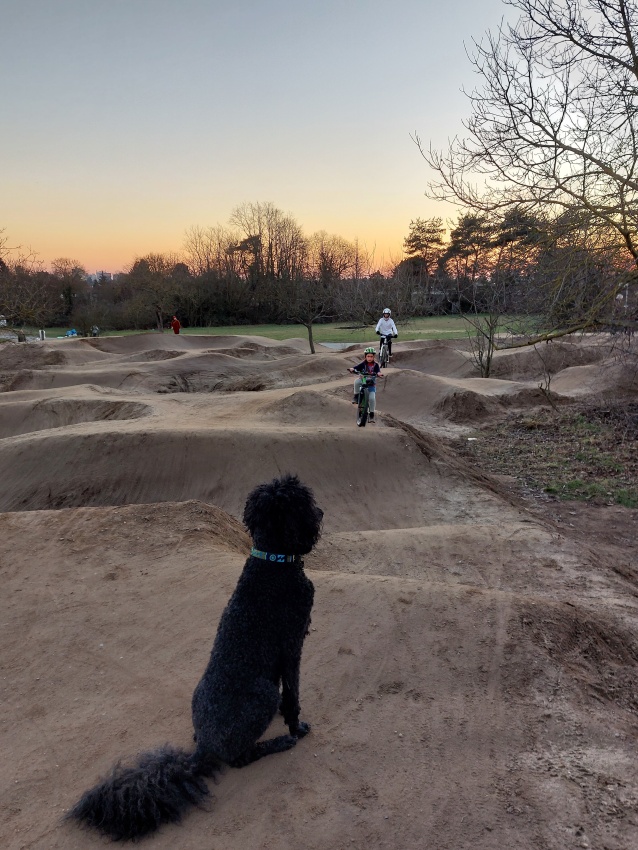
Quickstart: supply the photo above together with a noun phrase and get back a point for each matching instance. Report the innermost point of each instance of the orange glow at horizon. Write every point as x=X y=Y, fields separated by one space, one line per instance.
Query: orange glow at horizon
x=99 y=242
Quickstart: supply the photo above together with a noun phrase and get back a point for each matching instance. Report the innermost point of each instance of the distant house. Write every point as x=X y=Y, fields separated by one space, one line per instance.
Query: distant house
x=100 y=276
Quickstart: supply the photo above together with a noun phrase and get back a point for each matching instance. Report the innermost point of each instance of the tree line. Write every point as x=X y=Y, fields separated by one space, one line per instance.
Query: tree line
x=260 y=267
x=562 y=272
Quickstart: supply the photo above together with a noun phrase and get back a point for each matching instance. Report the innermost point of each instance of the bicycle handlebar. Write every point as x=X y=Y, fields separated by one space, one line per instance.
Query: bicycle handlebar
x=370 y=380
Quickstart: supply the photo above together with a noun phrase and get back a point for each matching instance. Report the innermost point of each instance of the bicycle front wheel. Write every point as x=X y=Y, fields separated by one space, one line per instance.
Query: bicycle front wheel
x=363 y=408
x=383 y=359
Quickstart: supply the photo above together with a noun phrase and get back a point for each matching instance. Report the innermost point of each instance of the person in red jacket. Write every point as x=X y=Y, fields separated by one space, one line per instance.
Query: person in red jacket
x=175 y=324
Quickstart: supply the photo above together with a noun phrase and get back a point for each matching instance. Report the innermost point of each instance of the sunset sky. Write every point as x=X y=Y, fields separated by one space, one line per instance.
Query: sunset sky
x=125 y=122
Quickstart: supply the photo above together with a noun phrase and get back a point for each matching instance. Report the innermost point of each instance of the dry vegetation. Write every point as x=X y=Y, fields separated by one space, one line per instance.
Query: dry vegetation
x=585 y=451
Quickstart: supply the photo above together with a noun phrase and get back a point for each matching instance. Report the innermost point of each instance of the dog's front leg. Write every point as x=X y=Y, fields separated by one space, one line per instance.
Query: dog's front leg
x=290 y=699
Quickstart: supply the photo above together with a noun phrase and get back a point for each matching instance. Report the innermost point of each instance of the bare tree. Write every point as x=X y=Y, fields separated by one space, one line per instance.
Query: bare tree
x=329 y=257
x=358 y=301
x=553 y=126
x=211 y=250
x=577 y=270
x=4 y=249
x=482 y=331
x=152 y=279
x=27 y=298
x=27 y=293
x=308 y=302
x=546 y=383
x=273 y=246
x=491 y=317
x=361 y=261
x=73 y=282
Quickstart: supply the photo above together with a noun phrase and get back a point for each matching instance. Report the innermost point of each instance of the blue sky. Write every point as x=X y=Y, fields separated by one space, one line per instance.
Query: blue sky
x=127 y=121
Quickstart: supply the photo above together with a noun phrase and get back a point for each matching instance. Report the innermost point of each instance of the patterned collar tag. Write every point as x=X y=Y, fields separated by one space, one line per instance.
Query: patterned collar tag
x=269 y=556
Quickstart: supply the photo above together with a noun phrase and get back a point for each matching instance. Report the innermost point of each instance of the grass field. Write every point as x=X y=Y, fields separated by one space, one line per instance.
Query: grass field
x=430 y=327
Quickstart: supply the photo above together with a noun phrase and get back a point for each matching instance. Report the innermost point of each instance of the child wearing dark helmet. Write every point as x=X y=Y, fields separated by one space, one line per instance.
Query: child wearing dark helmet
x=368 y=366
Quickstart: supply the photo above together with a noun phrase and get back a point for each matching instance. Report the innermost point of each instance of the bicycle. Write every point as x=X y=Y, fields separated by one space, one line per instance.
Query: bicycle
x=384 y=353
x=363 y=406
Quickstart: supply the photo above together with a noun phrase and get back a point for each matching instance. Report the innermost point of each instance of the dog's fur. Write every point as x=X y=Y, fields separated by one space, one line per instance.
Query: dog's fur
x=257 y=649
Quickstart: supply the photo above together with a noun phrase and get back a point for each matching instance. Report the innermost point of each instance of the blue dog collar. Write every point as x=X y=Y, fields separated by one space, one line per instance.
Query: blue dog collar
x=268 y=556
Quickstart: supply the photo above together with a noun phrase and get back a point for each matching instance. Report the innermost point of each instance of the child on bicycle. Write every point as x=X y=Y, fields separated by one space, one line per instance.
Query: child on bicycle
x=368 y=366
x=386 y=328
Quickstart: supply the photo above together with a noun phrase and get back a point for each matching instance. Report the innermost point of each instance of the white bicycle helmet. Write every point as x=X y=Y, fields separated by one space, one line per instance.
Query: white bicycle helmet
x=387 y=310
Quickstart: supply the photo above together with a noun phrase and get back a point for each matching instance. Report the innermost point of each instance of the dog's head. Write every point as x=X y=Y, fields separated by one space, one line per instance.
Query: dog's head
x=283 y=517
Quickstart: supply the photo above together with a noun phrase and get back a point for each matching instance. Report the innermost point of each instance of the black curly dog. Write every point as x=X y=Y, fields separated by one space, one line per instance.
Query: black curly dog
x=257 y=649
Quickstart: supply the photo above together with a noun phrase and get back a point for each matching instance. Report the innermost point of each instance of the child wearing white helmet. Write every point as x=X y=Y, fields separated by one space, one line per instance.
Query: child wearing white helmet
x=386 y=327
x=368 y=366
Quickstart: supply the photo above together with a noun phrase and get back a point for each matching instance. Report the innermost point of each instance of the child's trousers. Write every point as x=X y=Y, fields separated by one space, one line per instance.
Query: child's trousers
x=373 y=394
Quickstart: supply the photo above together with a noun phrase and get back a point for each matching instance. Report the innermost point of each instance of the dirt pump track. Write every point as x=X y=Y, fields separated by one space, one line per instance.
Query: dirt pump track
x=471 y=674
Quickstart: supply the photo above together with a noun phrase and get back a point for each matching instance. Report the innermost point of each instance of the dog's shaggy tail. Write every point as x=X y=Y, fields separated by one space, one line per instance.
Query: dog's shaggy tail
x=134 y=801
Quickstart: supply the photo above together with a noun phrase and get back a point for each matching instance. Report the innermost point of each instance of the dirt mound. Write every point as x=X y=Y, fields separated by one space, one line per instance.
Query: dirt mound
x=132 y=343
x=309 y=369
x=533 y=397
x=256 y=351
x=12 y=380
x=131 y=378
x=464 y=639
x=508 y=555
x=309 y=408
x=151 y=356
x=530 y=364
x=117 y=630
x=171 y=364
x=76 y=355
x=611 y=379
x=23 y=417
x=27 y=355
x=220 y=371
x=98 y=467
x=409 y=395
x=467 y=406
x=153 y=341
x=206 y=372
x=236 y=374
x=203 y=371
x=191 y=521
x=434 y=357
x=415 y=396
x=600 y=655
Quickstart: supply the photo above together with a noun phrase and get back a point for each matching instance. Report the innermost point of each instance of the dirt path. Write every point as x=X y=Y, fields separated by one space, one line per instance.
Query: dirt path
x=471 y=675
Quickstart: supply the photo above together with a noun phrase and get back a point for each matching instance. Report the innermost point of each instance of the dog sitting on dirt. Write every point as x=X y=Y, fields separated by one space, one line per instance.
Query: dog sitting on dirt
x=256 y=651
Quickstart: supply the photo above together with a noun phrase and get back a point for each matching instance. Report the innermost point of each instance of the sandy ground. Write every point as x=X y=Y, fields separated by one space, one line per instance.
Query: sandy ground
x=471 y=676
